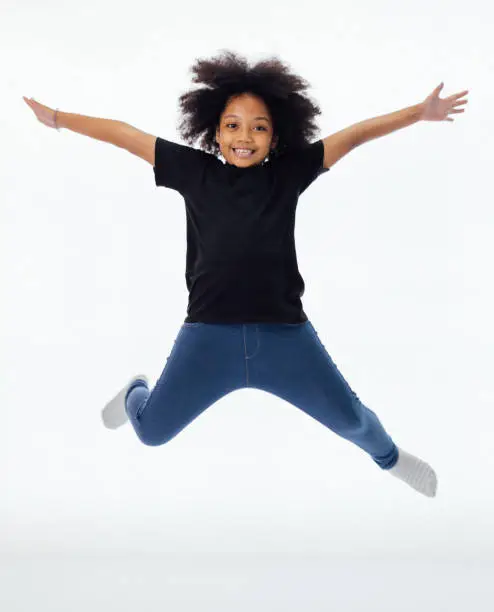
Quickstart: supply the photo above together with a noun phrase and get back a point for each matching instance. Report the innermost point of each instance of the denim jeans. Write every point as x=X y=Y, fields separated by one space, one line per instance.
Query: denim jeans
x=211 y=360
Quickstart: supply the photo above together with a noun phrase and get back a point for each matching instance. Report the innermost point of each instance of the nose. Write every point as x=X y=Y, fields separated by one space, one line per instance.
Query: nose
x=245 y=135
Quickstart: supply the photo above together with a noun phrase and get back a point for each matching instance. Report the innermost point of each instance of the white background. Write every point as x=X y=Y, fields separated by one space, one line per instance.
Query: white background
x=254 y=505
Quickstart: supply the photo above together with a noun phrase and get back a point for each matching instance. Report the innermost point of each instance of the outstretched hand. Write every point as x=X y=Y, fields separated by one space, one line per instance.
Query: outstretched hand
x=437 y=109
x=43 y=113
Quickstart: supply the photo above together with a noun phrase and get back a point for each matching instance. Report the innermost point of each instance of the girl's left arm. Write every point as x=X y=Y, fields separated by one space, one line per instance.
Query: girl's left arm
x=433 y=108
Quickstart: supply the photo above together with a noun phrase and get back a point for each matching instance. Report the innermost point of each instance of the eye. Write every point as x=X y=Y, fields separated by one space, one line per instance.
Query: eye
x=258 y=126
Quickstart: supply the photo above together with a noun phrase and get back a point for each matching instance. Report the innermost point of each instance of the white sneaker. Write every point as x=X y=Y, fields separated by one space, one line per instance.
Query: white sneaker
x=113 y=413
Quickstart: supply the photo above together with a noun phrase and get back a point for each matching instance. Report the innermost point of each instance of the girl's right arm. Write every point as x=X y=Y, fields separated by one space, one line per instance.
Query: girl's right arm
x=116 y=132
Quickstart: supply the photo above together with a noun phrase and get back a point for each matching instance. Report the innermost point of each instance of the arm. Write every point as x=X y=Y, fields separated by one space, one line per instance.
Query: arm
x=118 y=133
x=339 y=144
x=106 y=130
x=385 y=124
x=432 y=108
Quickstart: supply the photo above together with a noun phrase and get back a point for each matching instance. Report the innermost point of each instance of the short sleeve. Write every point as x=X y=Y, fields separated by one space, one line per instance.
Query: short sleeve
x=305 y=164
x=177 y=166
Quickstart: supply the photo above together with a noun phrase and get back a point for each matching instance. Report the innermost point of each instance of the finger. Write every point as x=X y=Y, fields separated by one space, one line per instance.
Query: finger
x=460 y=102
x=457 y=95
x=438 y=89
x=459 y=110
x=30 y=102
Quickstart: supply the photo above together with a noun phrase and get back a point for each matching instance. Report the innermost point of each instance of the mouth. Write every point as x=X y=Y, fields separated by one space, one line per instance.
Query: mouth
x=243 y=153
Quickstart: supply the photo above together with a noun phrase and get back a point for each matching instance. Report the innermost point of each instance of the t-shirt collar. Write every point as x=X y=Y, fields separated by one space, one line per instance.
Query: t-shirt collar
x=261 y=165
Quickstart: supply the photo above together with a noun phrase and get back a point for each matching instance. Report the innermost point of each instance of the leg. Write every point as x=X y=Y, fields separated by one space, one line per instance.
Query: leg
x=204 y=365
x=293 y=364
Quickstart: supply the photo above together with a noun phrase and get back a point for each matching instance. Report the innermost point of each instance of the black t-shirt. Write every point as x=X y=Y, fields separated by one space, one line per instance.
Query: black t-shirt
x=241 y=263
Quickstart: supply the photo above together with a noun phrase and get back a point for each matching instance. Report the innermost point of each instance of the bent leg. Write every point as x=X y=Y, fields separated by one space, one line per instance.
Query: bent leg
x=203 y=366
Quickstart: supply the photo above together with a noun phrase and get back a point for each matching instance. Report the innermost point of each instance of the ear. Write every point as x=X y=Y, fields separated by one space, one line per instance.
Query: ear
x=274 y=142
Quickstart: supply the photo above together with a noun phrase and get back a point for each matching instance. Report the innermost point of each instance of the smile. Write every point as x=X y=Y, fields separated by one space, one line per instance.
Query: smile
x=243 y=152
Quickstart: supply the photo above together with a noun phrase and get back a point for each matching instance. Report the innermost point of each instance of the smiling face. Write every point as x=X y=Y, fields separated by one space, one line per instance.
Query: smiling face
x=245 y=123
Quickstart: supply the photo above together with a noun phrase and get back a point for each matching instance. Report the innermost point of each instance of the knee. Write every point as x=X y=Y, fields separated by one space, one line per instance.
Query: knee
x=152 y=433
x=148 y=439
x=148 y=442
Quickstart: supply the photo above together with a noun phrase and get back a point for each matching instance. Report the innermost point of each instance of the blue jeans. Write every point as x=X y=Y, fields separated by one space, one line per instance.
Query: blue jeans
x=211 y=360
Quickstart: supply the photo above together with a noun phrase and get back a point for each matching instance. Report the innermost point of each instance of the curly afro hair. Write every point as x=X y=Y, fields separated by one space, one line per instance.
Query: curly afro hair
x=229 y=74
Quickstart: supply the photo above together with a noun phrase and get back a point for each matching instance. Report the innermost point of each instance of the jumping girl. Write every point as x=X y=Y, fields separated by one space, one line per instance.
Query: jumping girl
x=245 y=324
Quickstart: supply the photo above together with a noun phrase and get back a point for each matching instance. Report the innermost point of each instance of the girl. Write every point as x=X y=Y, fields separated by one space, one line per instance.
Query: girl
x=245 y=324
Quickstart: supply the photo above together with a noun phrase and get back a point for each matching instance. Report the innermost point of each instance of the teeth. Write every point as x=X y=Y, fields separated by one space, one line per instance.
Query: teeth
x=244 y=153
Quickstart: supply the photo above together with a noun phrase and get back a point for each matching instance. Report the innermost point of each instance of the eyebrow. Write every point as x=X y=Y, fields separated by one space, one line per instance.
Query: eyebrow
x=238 y=117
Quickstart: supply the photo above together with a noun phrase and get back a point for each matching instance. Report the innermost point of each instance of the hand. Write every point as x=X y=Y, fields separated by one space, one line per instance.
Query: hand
x=43 y=113
x=437 y=109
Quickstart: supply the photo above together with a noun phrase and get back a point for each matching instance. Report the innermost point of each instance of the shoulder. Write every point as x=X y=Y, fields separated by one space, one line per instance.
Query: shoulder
x=179 y=165
x=170 y=148
x=307 y=156
x=301 y=165
x=308 y=152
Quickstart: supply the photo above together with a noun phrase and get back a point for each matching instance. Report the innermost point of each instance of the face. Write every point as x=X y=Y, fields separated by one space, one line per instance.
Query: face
x=245 y=123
